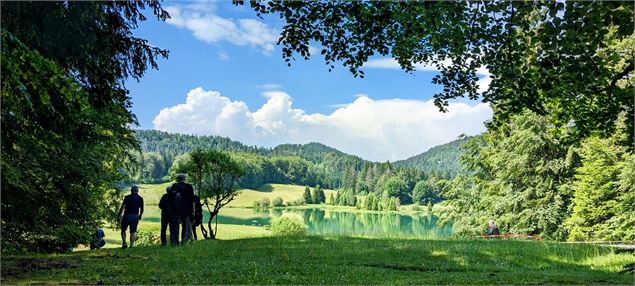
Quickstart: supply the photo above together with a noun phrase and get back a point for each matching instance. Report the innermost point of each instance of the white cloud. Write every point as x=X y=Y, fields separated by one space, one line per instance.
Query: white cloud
x=373 y=129
x=223 y=56
x=269 y=86
x=207 y=26
x=390 y=63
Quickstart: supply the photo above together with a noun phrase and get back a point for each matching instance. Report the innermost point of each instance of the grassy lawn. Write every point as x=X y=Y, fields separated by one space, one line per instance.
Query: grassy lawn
x=246 y=254
x=288 y=193
x=329 y=260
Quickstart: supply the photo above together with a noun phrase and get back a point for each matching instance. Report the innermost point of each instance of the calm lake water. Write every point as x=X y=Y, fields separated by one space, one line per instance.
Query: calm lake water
x=330 y=222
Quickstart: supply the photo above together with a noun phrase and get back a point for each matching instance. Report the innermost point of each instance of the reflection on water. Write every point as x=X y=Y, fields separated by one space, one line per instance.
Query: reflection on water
x=328 y=222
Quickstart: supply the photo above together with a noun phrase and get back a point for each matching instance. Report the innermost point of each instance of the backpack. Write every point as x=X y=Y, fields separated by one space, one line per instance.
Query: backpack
x=175 y=203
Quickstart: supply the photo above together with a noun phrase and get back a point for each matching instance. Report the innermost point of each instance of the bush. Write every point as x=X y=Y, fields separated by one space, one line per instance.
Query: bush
x=416 y=207
x=289 y=225
x=262 y=203
x=146 y=237
x=277 y=202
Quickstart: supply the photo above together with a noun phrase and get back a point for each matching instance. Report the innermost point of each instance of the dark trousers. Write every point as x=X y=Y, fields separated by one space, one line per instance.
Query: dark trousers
x=186 y=229
x=174 y=223
x=165 y=221
x=193 y=221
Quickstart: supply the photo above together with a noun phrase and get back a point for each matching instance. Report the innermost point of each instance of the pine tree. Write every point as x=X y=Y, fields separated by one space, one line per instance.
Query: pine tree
x=321 y=197
x=307 y=195
x=603 y=192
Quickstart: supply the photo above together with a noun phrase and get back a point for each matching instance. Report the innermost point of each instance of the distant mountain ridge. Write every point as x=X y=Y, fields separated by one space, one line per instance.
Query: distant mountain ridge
x=164 y=142
x=162 y=148
x=442 y=160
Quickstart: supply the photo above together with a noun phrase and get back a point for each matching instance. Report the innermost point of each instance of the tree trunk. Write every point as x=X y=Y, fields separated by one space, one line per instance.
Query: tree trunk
x=203 y=230
x=216 y=226
x=212 y=231
x=212 y=235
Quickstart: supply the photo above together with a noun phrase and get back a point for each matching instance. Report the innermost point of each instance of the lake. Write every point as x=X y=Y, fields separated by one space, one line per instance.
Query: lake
x=338 y=222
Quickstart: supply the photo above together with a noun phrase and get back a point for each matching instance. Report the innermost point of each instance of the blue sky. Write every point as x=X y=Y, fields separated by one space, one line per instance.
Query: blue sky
x=225 y=76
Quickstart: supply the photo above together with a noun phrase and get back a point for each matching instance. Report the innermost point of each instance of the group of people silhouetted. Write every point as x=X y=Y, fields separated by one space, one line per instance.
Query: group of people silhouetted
x=180 y=209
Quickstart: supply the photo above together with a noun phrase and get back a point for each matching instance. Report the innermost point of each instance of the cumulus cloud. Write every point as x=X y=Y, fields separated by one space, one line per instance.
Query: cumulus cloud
x=207 y=26
x=377 y=130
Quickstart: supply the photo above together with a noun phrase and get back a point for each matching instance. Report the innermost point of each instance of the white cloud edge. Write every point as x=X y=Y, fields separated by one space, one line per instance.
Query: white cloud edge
x=377 y=130
x=206 y=25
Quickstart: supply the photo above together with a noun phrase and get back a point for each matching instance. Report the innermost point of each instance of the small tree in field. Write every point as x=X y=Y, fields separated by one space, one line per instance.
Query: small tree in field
x=321 y=197
x=307 y=195
x=214 y=174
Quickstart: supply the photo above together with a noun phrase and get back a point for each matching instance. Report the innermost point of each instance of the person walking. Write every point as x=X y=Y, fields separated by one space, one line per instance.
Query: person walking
x=186 y=192
x=132 y=208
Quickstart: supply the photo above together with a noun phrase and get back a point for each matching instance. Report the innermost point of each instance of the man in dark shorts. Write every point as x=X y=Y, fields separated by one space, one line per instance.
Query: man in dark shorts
x=186 y=192
x=132 y=208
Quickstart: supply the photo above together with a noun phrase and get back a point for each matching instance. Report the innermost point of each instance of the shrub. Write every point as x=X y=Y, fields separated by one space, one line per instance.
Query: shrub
x=416 y=207
x=264 y=202
x=277 y=202
x=289 y=225
x=147 y=237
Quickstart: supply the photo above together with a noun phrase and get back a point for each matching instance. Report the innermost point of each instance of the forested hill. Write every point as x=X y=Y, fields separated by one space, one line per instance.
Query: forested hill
x=153 y=141
x=442 y=160
x=314 y=152
x=300 y=164
x=163 y=142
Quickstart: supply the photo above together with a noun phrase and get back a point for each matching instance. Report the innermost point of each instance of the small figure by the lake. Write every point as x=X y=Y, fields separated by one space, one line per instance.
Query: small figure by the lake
x=492 y=229
x=132 y=208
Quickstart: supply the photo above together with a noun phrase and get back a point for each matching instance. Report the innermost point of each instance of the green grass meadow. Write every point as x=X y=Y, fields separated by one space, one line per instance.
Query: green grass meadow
x=332 y=260
x=245 y=254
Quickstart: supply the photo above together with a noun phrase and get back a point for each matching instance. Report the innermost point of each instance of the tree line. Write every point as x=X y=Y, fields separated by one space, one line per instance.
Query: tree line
x=310 y=164
x=557 y=157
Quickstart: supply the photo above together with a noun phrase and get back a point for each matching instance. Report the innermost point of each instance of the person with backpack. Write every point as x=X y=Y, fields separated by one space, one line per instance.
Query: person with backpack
x=132 y=208
x=187 y=205
x=99 y=240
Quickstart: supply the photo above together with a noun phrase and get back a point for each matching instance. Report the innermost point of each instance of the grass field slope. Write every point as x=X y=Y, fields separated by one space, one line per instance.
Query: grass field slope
x=288 y=193
x=151 y=219
x=330 y=260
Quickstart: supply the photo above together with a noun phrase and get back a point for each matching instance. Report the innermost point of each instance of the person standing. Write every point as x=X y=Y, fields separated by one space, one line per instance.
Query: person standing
x=170 y=204
x=198 y=215
x=164 y=205
x=186 y=192
x=132 y=208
